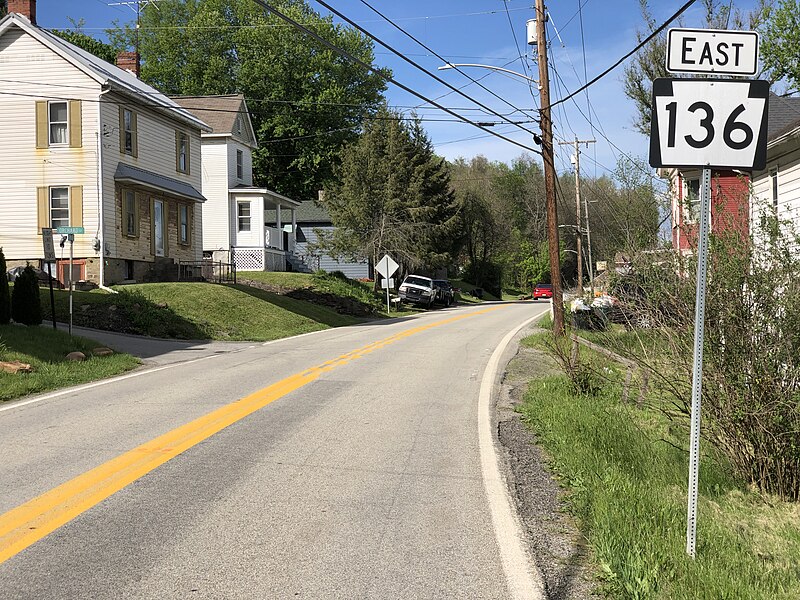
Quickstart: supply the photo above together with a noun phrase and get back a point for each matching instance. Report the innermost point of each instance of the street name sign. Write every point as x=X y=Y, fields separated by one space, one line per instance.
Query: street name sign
x=386 y=266
x=715 y=51
x=709 y=123
x=68 y=230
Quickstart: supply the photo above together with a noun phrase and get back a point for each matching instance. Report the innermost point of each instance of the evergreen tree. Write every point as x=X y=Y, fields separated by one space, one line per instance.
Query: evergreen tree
x=5 y=299
x=393 y=196
x=26 y=306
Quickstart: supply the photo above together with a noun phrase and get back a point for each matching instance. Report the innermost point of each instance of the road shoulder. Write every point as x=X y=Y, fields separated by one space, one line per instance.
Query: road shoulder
x=555 y=543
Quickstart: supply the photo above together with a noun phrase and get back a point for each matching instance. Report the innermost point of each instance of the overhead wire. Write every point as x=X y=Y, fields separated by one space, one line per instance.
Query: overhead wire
x=439 y=56
x=641 y=45
x=413 y=63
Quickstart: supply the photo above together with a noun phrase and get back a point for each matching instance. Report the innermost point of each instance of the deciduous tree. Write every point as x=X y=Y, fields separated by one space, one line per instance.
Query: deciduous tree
x=306 y=101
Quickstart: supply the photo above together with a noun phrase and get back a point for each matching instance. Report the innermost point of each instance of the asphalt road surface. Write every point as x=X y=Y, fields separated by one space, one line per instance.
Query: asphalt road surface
x=348 y=463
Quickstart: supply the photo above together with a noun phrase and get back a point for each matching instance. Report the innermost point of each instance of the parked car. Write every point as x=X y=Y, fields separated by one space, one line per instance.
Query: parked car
x=542 y=290
x=417 y=289
x=445 y=294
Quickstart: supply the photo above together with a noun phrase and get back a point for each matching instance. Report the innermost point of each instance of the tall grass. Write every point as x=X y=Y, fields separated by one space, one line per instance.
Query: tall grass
x=625 y=472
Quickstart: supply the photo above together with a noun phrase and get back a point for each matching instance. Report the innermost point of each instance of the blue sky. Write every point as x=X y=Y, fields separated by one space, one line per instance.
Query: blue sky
x=481 y=31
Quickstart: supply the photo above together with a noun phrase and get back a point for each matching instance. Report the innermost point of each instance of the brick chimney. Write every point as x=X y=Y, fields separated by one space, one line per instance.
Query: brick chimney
x=128 y=61
x=26 y=8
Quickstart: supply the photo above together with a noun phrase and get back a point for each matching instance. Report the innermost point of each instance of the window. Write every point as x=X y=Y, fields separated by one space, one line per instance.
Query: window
x=59 y=207
x=131 y=213
x=57 y=121
x=239 y=164
x=182 y=152
x=773 y=174
x=159 y=241
x=692 y=202
x=129 y=270
x=244 y=216
x=183 y=223
x=128 y=138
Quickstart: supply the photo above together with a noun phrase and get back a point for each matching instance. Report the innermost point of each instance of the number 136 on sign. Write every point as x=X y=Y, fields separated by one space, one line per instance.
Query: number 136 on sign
x=709 y=123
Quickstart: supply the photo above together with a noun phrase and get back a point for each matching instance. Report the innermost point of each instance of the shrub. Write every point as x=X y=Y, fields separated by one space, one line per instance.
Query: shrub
x=5 y=298
x=751 y=374
x=25 y=304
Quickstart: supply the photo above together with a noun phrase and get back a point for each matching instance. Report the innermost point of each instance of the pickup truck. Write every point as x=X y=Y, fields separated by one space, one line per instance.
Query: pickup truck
x=417 y=289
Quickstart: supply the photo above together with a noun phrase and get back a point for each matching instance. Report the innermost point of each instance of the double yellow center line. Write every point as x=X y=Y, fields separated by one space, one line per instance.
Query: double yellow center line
x=28 y=523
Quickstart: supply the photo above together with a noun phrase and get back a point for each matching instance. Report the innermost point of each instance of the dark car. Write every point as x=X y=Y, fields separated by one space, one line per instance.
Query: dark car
x=445 y=294
x=542 y=290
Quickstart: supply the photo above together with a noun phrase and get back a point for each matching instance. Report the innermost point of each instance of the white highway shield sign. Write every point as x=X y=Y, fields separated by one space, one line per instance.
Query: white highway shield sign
x=715 y=51
x=715 y=123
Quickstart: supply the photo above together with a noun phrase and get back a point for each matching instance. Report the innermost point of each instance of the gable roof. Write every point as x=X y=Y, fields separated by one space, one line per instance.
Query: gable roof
x=104 y=73
x=221 y=114
x=783 y=117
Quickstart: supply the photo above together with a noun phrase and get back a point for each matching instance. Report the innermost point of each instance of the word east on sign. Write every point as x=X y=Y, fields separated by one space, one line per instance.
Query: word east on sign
x=712 y=51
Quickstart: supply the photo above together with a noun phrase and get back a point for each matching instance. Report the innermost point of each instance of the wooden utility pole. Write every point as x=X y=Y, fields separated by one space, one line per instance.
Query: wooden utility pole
x=549 y=170
x=578 y=217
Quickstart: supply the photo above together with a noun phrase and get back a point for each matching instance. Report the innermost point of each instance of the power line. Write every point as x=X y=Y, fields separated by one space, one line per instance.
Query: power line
x=378 y=72
x=437 y=55
x=628 y=55
x=414 y=64
x=516 y=41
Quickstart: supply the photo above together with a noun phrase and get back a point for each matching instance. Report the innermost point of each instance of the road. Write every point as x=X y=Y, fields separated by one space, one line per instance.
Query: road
x=348 y=463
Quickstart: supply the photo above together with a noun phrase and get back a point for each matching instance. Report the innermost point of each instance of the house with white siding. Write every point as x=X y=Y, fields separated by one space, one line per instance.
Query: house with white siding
x=738 y=197
x=235 y=227
x=777 y=187
x=85 y=143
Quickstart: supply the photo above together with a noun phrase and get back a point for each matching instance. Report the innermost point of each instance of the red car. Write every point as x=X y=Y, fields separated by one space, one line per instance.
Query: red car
x=542 y=290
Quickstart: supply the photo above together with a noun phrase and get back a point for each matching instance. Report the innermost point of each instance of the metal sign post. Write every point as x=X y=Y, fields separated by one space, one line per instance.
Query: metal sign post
x=697 y=371
x=707 y=124
x=70 y=233
x=386 y=267
x=50 y=258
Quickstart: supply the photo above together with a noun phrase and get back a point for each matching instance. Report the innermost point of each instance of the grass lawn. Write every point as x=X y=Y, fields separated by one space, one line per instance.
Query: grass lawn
x=625 y=473
x=198 y=311
x=44 y=349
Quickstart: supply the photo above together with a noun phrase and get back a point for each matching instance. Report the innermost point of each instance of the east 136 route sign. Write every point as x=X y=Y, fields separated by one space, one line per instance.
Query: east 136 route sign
x=720 y=123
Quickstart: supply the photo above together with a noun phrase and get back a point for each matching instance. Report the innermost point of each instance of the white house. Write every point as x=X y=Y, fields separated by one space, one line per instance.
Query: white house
x=235 y=216
x=777 y=187
x=87 y=144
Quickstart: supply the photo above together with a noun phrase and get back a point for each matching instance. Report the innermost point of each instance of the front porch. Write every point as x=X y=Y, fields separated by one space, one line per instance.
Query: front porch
x=259 y=241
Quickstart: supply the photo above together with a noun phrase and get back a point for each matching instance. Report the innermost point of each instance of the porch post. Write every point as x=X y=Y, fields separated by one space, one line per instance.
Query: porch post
x=293 y=237
x=279 y=225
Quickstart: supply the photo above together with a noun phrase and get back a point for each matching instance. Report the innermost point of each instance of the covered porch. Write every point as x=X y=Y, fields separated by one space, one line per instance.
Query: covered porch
x=260 y=238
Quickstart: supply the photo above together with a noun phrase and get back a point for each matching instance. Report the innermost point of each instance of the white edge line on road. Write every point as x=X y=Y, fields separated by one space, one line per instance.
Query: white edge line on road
x=522 y=575
x=74 y=390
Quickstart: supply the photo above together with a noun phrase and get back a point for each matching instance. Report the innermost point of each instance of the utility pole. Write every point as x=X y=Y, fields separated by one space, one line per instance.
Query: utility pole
x=576 y=160
x=549 y=171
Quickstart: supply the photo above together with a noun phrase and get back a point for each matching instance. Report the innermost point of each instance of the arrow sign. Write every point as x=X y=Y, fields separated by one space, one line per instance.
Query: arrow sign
x=386 y=267
x=709 y=123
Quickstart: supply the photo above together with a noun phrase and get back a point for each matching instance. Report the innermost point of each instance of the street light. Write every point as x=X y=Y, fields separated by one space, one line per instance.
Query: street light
x=546 y=141
x=491 y=67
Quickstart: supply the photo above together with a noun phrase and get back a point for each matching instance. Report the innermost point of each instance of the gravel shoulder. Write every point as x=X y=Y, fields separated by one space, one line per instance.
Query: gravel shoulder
x=555 y=543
